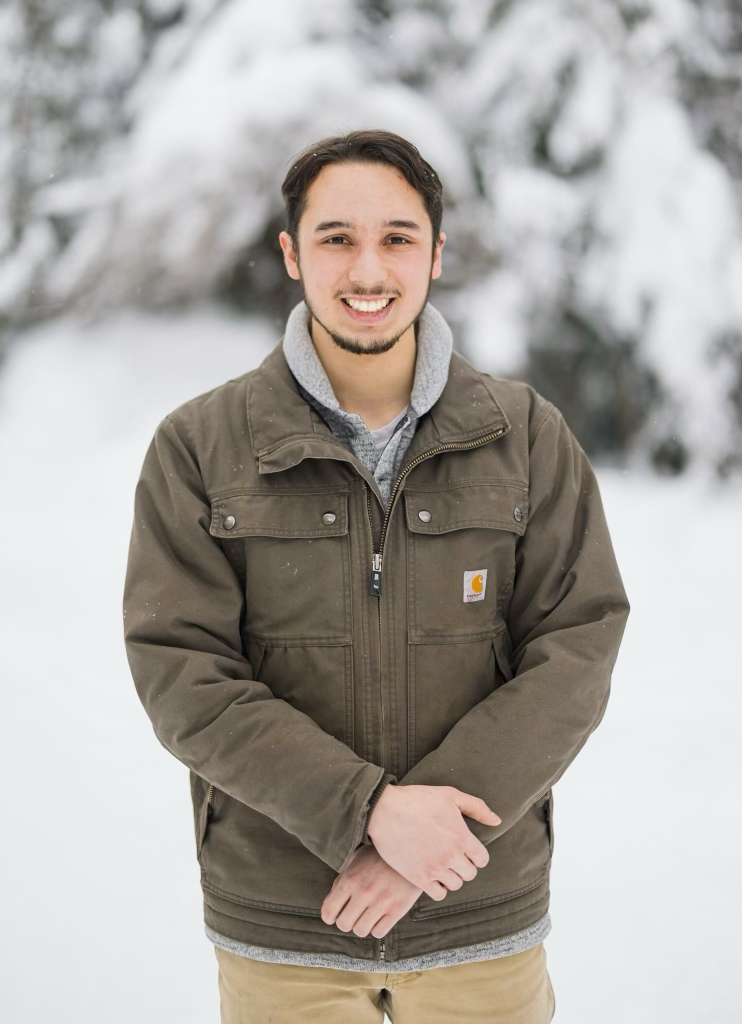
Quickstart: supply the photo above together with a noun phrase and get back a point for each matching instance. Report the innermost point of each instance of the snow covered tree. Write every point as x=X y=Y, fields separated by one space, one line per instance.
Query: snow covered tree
x=589 y=153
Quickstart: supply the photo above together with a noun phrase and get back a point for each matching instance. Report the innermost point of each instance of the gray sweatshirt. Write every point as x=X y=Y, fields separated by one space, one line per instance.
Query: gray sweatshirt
x=434 y=347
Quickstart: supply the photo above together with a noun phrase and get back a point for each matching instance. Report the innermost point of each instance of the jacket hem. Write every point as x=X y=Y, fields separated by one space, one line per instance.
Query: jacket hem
x=301 y=934
x=493 y=949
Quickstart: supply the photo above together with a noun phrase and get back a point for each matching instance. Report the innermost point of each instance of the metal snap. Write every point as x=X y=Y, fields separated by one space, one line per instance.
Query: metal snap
x=517 y=514
x=329 y=517
x=229 y=522
x=424 y=515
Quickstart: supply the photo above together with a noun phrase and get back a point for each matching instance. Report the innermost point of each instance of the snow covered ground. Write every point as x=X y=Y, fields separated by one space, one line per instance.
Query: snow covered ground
x=102 y=907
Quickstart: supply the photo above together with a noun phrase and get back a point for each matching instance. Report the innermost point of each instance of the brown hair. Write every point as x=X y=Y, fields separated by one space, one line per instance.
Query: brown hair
x=370 y=146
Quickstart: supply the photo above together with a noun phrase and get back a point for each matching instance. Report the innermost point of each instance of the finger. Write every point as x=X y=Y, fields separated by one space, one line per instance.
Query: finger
x=367 y=921
x=333 y=906
x=382 y=926
x=350 y=913
x=435 y=890
x=464 y=867
x=475 y=807
x=450 y=878
x=477 y=852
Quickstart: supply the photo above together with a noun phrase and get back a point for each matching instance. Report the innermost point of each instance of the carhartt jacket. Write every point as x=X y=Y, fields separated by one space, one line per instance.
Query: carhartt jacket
x=298 y=645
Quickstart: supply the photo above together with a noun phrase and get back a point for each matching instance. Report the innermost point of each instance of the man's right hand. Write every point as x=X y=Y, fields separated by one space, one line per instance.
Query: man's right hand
x=420 y=832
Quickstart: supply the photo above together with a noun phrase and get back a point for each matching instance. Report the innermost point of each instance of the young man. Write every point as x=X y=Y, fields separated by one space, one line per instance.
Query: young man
x=372 y=604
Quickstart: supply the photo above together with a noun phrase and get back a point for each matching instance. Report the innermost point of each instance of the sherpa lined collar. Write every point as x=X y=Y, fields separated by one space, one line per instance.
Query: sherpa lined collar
x=434 y=347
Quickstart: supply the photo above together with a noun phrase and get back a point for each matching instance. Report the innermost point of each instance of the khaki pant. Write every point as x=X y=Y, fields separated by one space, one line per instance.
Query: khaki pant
x=513 y=989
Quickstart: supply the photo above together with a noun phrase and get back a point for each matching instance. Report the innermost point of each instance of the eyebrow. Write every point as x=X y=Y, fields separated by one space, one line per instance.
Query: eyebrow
x=330 y=225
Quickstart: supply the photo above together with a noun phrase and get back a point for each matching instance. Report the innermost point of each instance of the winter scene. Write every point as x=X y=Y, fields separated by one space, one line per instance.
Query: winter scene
x=590 y=156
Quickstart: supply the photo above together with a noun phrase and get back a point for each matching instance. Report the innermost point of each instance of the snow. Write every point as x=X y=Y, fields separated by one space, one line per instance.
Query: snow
x=214 y=127
x=658 y=236
x=102 y=915
x=572 y=140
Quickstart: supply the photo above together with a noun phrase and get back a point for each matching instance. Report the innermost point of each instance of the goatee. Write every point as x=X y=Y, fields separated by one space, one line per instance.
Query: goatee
x=358 y=348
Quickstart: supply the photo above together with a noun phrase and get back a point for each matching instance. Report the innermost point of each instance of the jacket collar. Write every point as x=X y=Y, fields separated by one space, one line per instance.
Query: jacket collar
x=434 y=347
x=285 y=429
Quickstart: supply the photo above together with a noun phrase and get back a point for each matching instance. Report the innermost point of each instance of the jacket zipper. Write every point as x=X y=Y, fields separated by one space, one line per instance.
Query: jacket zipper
x=375 y=577
x=209 y=795
x=374 y=587
x=378 y=609
x=382 y=953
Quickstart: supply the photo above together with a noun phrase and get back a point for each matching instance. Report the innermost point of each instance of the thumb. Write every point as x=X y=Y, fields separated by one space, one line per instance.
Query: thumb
x=473 y=807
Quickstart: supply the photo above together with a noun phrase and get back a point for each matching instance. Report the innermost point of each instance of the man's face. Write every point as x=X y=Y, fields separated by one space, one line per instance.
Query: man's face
x=365 y=236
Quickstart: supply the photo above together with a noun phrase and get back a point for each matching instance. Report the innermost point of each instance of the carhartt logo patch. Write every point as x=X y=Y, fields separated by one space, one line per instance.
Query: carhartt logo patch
x=475 y=584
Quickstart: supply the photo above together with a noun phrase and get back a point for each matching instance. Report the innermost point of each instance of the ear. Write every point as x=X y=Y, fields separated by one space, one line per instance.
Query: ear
x=436 y=269
x=290 y=255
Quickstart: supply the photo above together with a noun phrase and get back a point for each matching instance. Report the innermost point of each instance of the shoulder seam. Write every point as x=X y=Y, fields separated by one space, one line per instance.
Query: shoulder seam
x=178 y=432
x=550 y=409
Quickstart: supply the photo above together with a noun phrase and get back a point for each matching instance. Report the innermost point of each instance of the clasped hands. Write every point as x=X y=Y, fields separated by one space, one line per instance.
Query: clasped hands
x=421 y=844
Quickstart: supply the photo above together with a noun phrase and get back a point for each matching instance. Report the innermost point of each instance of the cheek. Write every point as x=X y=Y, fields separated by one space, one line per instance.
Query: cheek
x=414 y=280
x=328 y=273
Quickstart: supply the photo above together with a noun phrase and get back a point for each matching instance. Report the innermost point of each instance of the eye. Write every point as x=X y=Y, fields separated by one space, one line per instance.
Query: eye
x=398 y=238
x=334 y=238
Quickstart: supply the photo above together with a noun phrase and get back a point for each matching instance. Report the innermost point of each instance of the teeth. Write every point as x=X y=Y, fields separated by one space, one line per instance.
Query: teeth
x=368 y=307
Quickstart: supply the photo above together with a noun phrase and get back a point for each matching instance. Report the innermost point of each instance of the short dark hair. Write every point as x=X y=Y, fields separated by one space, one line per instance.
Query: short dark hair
x=369 y=146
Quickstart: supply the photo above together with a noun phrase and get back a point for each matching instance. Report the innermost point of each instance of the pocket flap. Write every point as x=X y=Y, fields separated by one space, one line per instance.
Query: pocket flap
x=501 y=506
x=279 y=515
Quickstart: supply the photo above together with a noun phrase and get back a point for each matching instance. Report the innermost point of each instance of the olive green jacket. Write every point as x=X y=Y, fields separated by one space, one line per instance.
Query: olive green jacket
x=294 y=680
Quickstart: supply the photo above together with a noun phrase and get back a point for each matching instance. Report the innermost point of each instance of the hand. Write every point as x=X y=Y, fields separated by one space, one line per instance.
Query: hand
x=421 y=833
x=368 y=896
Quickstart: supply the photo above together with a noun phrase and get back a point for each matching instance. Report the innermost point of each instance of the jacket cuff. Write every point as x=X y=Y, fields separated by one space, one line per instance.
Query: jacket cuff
x=374 y=799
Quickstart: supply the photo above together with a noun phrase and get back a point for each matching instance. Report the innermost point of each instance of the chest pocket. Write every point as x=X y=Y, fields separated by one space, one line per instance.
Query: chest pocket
x=461 y=545
x=295 y=553
x=461 y=558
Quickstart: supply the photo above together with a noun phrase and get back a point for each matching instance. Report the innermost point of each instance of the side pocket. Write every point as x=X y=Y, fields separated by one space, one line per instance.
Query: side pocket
x=254 y=652
x=203 y=821
x=501 y=647
x=201 y=798
x=549 y=815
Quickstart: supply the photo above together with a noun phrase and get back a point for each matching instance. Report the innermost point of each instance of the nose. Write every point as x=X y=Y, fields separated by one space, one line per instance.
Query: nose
x=367 y=266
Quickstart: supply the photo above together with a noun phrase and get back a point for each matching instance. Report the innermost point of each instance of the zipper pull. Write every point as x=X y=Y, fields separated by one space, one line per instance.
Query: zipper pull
x=374 y=584
x=382 y=955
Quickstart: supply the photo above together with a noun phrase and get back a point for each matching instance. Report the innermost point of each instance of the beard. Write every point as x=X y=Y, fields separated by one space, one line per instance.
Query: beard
x=358 y=348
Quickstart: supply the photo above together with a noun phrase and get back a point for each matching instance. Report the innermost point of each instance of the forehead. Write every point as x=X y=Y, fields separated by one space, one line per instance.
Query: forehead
x=363 y=195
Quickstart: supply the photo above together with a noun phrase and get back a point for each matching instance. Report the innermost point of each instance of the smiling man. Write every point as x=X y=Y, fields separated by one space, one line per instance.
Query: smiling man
x=387 y=614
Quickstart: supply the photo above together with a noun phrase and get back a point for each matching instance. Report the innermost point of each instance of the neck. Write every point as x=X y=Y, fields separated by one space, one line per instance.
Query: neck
x=376 y=386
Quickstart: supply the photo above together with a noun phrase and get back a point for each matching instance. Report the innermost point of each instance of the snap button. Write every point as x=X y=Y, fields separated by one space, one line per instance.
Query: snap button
x=424 y=515
x=329 y=517
x=229 y=522
x=517 y=514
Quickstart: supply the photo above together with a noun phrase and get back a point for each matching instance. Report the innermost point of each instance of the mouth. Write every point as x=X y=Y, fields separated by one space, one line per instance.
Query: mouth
x=368 y=311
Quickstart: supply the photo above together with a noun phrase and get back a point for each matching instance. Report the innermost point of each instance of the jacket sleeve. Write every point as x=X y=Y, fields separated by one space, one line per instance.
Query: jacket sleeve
x=565 y=622
x=183 y=605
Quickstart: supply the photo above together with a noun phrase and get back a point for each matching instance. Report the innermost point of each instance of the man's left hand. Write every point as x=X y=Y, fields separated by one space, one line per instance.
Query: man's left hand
x=368 y=896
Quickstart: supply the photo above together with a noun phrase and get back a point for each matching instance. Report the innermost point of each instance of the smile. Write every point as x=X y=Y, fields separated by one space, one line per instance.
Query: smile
x=368 y=311
x=365 y=306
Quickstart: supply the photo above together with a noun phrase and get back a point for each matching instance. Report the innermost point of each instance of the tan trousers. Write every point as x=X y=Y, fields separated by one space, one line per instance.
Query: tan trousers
x=513 y=989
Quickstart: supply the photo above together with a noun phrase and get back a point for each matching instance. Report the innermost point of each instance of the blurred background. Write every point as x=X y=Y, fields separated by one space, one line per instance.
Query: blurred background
x=591 y=157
